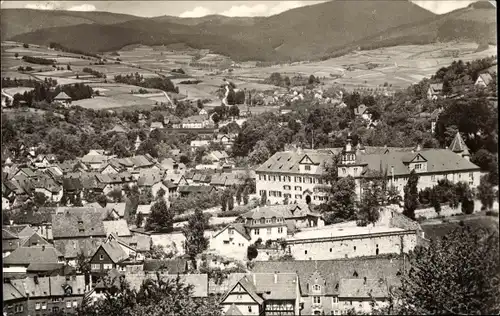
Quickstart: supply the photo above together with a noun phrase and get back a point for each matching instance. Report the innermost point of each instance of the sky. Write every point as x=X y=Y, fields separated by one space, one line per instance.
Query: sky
x=202 y=8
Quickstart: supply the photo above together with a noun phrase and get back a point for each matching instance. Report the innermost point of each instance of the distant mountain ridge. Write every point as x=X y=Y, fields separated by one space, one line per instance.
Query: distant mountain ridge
x=304 y=33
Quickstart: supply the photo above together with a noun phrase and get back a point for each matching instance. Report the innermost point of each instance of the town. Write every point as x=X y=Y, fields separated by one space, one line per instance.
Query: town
x=199 y=191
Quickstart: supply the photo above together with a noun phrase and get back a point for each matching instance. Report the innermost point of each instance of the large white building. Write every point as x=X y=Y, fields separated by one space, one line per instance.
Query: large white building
x=293 y=175
x=298 y=174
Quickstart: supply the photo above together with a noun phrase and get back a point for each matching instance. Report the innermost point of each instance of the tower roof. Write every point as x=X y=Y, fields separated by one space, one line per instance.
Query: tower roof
x=458 y=145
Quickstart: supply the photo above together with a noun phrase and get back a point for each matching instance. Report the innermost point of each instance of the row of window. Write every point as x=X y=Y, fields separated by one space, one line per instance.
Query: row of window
x=263 y=220
x=43 y=306
x=297 y=179
x=256 y=231
x=106 y=266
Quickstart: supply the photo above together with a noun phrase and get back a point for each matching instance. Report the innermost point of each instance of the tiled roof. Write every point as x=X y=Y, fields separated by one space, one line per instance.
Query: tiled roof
x=239 y=227
x=135 y=161
x=142 y=242
x=436 y=87
x=156 y=125
x=458 y=145
x=233 y=311
x=115 y=177
x=282 y=286
x=43 y=266
x=288 y=162
x=70 y=248
x=196 y=188
x=50 y=286
x=171 y=266
x=334 y=270
x=249 y=287
x=11 y=293
x=194 y=119
x=360 y=288
x=22 y=231
x=118 y=207
x=78 y=222
x=6 y=234
x=438 y=160
x=94 y=159
x=114 y=251
x=486 y=78
x=28 y=255
x=62 y=96
x=261 y=212
x=289 y=211
x=117 y=227
x=72 y=184
x=47 y=184
x=149 y=179
x=144 y=209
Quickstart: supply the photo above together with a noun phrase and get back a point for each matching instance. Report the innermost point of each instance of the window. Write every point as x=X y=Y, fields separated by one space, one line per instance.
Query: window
x=231 y=231
x=68 y=304
x=101 y=257
x=354 y=248
x=256 y=231
x=226 y=242
x=330 y=249
x=433 y=178
x=262 y=220
x=317 y=299
x=249 y=309
x=305 y=252
x=108 y=266
x=95 y=266
x=260 y=177
x=298 y=188
x=75 y=303
x=298 y=196
x=471 y=175
x=307 y=167
x=55 y=309
x=287 y=187
x=279 y=178
x=317 y=287
x=355 y=170
x=273 y=219
x=264 y=177
x=344 y=170
x=335 y=300
x=37 y=306
x=269 y=231
x=418 y=166
x=280 y=230
x=44 y=305
x=268 y=220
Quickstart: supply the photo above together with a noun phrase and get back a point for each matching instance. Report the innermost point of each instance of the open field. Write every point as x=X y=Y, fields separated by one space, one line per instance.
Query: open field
x=399 y=66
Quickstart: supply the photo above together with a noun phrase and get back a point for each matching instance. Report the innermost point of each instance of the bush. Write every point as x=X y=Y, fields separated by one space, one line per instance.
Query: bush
x=492 y=213
x=232 y=213
x=252 y=252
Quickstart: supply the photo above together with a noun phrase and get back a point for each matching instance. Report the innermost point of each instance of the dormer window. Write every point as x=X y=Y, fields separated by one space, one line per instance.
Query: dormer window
x=307 y=168
x=317 y=287
x=355 y=274
x=262 y=220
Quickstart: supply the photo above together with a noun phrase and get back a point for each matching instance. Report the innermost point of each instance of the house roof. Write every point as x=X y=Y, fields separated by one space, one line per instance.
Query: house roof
x=233 y=311
x=70 y=248
x=11 y=293
x=360 y=110
x=135 y=161
x=261 y=212
x=22 y=231
x=194 y=119
x=119 y=128
x=332 y=271
x=8 y=235
x=458 y=144
x=44 y=267
x=78 y=222
x=28 y=255
x=114 y=251
x=144 y=209
x=62 y=96
x=50 y=286
x=239 y=227
x=218 y=154
x=436 y=87
x=438 y=160
x=48 y=184
x=94 y=158
x=171 y=266
x=118 y=207
x=486 y=77
x=149 y=179
x=288 y=162
x=139 y=243
x=196 y=188
x=156 y=125
x=360 y=288
x=117 y=227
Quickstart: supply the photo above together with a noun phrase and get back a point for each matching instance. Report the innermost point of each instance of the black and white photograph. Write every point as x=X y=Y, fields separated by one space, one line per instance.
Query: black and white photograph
x=249 y=158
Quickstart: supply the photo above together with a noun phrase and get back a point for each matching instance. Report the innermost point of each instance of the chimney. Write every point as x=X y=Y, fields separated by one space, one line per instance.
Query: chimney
x=275 y=277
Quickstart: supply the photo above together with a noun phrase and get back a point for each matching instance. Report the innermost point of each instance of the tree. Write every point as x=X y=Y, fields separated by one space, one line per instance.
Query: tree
x=485 y=193
x=234 y=111
x=116 y=195
x=139 y=218
x=239 y=191
x=223 y=201
x=83 y=265
x=252 y=252
x=102 y=200
x=39 y=199
x=263 y=199
x=260 y=153
x=464 y=192
x=16 y=55
x=194 y=231
x=160 y=194
x=68 y=67
x=161 y=218
x=230 y=200
x=373 y=199
x=216 y=118
x=457 y=274
x=411 y=195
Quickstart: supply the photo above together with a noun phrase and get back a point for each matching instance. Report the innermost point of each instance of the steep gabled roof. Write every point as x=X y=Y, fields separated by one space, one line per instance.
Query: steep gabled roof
x=458 y=144
x=62 y=96
x=114 y=251
x=237 y=227
x=28 y=255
